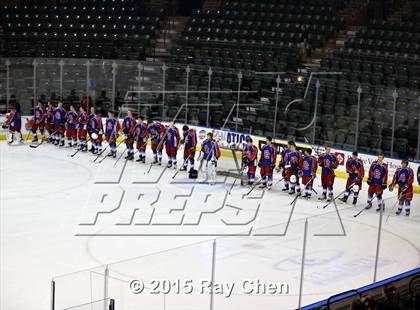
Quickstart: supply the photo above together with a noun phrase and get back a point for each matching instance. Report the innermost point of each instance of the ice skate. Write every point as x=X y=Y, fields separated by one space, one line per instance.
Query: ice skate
x=343 y=199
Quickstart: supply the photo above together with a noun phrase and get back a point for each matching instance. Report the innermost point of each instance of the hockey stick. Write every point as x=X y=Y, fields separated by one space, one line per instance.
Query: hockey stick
x=300 y=193
x=80 y=148
x=118 y=159
x=150 y=168
x=233 y=184
x=336 y=197
x=253 y=187
x=178 y=170
x=105 y=157
x=402 y=194
x=365 y=208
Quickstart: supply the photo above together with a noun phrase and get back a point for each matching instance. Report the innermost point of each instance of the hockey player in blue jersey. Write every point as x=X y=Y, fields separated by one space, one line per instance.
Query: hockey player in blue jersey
x=171 y=140
x=328 y=163
x=210 y=153
x=59 y=124
x=356 y=172
x=72 y=119
x=249 y=160
x=156 y=132
x=190 y=143
x=377 y=181
x=267 y=163
x=140 y=135
x=293 y=160
x=309 y=168
x=404 y=179
x=284 y=166
x=129 y=124
x=112 y=128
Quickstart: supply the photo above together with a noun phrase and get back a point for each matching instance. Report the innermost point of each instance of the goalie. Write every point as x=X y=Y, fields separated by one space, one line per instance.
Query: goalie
x=210 y=153
x=249 y=158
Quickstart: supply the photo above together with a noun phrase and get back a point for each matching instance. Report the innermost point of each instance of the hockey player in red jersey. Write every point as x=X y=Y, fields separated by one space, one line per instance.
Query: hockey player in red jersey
x=249 y=159
x=71 y=127
x=267 y=163
x=404 y=178
x=190 y=143
x=328 y=163
x=140 y=133
x=129 y=123
x=14 y=123
x=171 y=139
x=38 y=122
x=356 y=172
x=83 y=126
x=309 y=168
x=377 y=181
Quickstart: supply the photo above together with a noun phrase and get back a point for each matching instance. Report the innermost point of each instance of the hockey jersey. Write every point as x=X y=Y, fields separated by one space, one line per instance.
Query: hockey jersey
x=72 y=119
x=14 y=119
x=156 y=131
x=378 y=173
x=49 y=115
x=83 y=120
x=190 y=138
x=129 y=123
x=140 y=131
x=95 y=124
x=284 y=154
x=250 y=153
x=210 y=148
x=112 y=127
x=355 y=169
x=39 y=115
x=172 y=137
x=59 y=116
x=403 y=177
x=309 y=166
x=328 y=162
x=294 y=159
x=268 y=155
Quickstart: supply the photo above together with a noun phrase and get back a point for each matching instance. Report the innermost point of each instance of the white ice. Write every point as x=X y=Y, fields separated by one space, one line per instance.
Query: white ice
x=50 y=228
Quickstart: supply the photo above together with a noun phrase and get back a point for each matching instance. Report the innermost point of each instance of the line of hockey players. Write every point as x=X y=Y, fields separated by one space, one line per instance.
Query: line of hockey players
x=79 y=128
x=296 y=167
x=299 y=167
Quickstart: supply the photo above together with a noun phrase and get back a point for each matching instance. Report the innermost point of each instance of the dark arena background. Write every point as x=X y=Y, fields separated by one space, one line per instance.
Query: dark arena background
x=209 y=154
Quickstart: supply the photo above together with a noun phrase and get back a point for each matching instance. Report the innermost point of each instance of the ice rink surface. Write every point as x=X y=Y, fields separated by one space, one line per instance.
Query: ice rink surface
x=66 y=218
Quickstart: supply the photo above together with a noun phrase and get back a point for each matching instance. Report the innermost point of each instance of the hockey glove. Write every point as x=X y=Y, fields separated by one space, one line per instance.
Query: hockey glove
x=369 y=181
x=272 y=166
x=384 y=186
x=259 y=164
x=391 y=188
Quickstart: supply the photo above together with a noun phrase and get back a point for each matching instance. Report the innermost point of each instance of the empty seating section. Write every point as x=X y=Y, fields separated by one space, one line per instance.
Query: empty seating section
x=381 y=58
x=81 y=29
x=252 y=37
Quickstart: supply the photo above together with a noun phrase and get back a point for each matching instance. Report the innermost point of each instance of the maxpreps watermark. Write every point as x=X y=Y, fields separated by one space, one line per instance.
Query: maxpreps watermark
x=206 y=286
x=145 y=201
